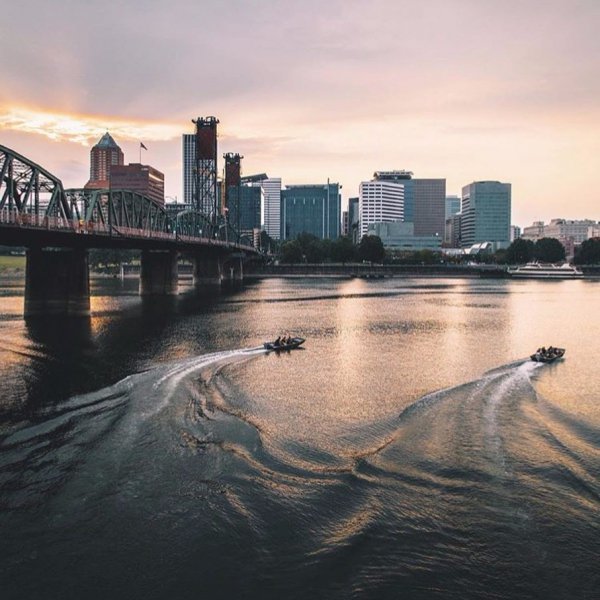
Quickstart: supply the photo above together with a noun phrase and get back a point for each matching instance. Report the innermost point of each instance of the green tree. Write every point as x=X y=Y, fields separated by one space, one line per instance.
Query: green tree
x=589 y=252
x=500 y=256
x=520 y=252
x=371 y=249
x=549 y=250
x=343 y=250
x=291 y=252
x=326 y=247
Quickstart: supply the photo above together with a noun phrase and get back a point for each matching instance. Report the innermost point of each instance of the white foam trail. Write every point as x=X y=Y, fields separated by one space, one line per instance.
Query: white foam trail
x=154 y=398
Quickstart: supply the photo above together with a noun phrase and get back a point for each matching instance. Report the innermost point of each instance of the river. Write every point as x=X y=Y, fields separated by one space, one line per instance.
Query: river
x=410 y=450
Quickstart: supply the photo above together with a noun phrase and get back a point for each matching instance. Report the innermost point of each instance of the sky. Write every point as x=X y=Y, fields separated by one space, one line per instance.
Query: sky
x=308 y=90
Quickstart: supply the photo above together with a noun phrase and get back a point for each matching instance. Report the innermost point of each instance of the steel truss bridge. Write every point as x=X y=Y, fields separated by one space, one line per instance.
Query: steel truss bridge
x=35 y=209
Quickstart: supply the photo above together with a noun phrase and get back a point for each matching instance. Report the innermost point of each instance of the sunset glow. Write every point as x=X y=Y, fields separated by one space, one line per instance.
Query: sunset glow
x=82 y=129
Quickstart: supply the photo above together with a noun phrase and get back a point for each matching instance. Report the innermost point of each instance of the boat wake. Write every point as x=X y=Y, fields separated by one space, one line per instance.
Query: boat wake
x=464 y=485
x=38 y=459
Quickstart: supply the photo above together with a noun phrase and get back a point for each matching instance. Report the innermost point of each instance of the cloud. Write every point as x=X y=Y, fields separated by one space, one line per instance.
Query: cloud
x=83 y=129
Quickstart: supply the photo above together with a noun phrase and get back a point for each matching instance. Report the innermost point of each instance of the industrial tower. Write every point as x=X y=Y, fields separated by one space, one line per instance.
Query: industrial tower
x=205 y=184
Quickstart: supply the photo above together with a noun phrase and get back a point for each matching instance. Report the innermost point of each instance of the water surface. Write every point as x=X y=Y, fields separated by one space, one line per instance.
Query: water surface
x=409 y=451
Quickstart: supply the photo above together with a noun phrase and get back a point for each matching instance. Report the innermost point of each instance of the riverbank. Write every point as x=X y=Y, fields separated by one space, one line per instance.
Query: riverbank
x=371 y=271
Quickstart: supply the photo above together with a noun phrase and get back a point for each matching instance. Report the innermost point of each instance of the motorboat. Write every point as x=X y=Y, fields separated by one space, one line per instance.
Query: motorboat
x=547 y=355
x=295 y=342
x=537 y=270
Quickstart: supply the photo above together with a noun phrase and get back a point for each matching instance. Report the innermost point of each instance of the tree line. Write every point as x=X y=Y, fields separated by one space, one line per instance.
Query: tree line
x=307 y=248
x=551 y=250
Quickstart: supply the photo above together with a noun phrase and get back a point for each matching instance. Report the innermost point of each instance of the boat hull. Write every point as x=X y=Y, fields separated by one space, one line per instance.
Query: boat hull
x=536 y=270
x=558 y=276
x=295 y=343
x=548 y=358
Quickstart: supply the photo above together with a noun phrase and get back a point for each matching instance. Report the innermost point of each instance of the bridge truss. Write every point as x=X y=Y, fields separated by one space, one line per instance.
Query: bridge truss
x=33 y=198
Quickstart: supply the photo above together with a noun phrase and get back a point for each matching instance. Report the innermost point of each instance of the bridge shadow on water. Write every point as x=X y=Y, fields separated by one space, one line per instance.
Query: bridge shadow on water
x=57 y=357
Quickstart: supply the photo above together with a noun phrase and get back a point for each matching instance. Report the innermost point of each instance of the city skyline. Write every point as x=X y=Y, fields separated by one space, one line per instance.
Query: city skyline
x=336 y=92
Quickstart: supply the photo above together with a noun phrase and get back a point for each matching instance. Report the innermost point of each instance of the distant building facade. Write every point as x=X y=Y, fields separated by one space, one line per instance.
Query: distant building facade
x=314 y=209
x=104 y=155
x=271 y=201
x=272 y=206
x=424 y=201
x=561 y=229
x=245 y=215
x=452 y=231
x=345 y=223
x=515 y=233
x=452 y=205
x=189 y=162
x=486 y=213
x=354 y=219
x=429 y=206
x=381 y=200
x=533 y=232
x=399 y=235
x=143 y=179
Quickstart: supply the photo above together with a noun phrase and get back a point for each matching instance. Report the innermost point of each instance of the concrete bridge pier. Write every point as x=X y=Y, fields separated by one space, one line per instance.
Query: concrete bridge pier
x=57 y=282
x=208 y=272
x=234 y=271
x=158 y=275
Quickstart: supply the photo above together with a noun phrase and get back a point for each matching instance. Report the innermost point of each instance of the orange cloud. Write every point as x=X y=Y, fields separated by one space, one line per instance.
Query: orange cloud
x=83 y=129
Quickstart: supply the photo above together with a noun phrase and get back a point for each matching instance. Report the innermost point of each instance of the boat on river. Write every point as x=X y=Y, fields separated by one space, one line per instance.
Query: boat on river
x=292 y=344
x=547 y=355
x=537 y=270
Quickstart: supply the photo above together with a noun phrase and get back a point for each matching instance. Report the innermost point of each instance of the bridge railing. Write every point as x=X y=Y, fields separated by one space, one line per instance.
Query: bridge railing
x=79 y=226
x=39 y=221
x=142 y=233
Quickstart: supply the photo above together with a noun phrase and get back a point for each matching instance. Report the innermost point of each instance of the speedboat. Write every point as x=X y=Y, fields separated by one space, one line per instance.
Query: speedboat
x=291 y=345
x=548 y=356
x=536 y=270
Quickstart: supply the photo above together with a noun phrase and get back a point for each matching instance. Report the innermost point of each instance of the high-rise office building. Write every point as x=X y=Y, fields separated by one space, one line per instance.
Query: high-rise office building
x=103 y=155
x=313 y=209
x=424 y=201
x=143 y=179
x=189 y=162
x=452 y=205
x=354 y=219
x=486 y=213
x=452 y=231
x=380 y=201
x=243 y=208
x=272 y=206
x=271 y=201
x=345 y=225
x=429 y=206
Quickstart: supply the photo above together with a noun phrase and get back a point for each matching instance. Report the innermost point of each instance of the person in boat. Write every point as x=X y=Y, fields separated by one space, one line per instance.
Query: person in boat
x=278 y=341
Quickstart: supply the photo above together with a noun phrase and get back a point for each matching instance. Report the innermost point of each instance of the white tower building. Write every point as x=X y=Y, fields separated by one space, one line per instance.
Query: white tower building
x=272 y=206
x=380 y=202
